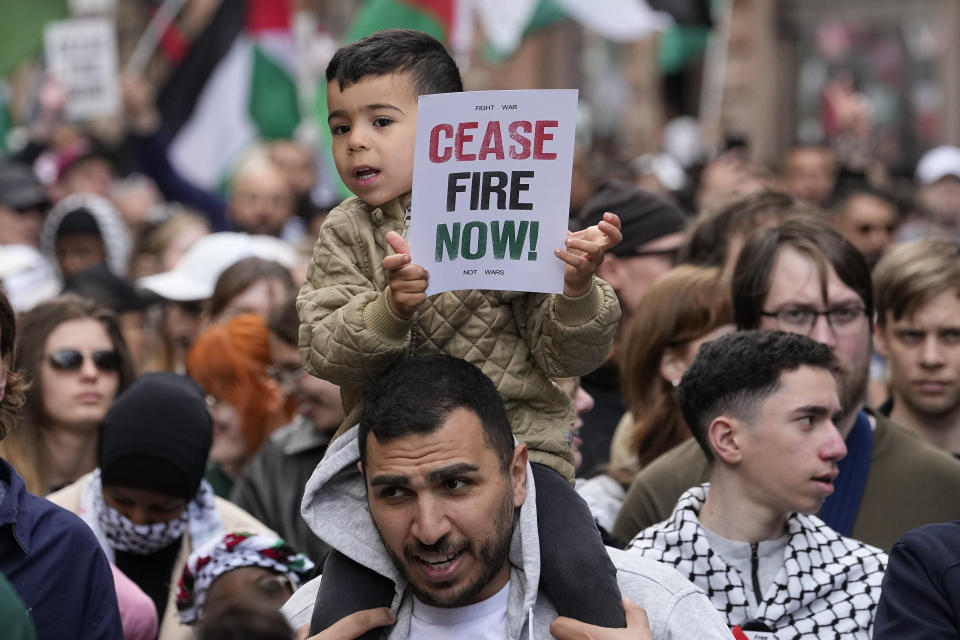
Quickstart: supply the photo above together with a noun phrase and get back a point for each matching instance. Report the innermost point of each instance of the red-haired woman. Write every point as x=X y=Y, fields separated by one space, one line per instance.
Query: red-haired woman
x=229 y=361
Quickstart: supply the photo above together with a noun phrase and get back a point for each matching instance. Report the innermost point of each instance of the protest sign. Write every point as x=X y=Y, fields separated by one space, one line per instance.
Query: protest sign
x=491 y=188
x=82 y=56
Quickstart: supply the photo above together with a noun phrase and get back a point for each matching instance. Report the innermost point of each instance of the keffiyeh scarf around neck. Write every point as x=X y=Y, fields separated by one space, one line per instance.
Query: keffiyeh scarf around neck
x=828 y=587
x=116 y=532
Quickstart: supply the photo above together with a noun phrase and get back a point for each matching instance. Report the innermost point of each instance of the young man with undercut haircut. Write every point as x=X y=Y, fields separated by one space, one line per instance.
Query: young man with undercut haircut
x=762 y=405
x=918 y=331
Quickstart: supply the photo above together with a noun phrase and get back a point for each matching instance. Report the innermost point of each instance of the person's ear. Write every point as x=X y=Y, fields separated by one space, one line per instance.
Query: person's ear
x=360 y=467
x=725 y=439
x=879 y=341
x=611 y=271
x=672 y=365
x=518 y=474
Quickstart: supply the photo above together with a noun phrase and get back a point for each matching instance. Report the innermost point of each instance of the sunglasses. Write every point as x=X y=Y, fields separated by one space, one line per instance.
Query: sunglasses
x=72 y=360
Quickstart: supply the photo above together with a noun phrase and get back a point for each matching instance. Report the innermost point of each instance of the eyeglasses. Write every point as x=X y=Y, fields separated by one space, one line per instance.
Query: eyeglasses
x=284 y=374
x=72 y=360
x=845 y=321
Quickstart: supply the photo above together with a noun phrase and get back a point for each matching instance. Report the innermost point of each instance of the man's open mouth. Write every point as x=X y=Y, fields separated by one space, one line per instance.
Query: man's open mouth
x=441 y=562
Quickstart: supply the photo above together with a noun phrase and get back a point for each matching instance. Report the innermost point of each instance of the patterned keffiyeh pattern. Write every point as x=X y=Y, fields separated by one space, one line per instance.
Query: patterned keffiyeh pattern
x=116 y=532
x=233 y=551
x=828 y=588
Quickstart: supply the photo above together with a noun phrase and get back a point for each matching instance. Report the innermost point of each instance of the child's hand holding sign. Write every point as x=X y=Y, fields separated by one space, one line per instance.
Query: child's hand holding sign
x=584 y=253
x=408 y=282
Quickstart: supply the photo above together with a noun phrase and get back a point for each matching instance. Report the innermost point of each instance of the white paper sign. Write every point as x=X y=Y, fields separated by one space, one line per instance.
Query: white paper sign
x=82 y=55
x=491 y=188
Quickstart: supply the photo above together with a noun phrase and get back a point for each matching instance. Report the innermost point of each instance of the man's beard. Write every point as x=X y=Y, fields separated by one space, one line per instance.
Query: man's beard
x=490 y=557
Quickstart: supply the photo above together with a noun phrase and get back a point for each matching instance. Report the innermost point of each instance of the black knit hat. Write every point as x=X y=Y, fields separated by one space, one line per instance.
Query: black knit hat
x=156 y=436
x=644 y=217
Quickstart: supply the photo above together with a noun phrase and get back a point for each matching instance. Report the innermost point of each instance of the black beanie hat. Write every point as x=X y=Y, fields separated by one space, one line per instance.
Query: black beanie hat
x=644 y=217
x=156 y=436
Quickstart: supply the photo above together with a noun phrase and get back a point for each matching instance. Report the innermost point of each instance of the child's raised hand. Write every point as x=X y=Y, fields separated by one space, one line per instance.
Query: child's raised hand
x=584 y=253
x=408 y=282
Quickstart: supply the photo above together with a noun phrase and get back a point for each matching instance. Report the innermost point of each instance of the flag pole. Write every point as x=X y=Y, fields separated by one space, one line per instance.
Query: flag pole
x=714 y=74
x=150 y=38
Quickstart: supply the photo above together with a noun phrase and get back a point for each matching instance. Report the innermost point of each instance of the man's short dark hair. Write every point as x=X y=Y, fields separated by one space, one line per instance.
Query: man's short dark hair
x=850 y=186
x=416 y=395
x=813 y=237
x=397 y=50
x=734 y=374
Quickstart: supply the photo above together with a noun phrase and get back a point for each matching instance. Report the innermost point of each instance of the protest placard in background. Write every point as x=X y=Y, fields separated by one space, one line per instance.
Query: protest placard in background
x=82 y=55
x=491 y=188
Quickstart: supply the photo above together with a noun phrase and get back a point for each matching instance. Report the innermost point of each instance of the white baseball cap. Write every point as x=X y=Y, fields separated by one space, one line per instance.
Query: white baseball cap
x=26 y=276
x=938 y=163
x=196 y=273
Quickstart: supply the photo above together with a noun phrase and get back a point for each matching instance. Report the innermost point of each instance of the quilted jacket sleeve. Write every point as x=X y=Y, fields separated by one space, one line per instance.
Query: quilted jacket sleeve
x=570 y=336
x=347 y=332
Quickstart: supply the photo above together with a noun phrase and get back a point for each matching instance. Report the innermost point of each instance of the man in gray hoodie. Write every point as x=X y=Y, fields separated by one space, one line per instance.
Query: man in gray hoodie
x=448 y=513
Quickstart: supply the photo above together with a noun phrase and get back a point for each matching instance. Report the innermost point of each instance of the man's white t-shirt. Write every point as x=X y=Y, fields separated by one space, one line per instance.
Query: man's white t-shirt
x=485 y=620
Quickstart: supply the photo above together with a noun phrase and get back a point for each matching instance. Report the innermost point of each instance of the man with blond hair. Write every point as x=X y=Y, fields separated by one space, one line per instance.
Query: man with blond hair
x=917 y=287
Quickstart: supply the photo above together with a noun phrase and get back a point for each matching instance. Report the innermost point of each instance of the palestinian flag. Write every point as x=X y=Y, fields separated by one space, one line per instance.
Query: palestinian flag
x=235 y=86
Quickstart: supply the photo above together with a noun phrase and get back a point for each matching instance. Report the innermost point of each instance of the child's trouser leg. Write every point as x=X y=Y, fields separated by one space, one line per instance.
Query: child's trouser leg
x=346 y=587
x=575 y=570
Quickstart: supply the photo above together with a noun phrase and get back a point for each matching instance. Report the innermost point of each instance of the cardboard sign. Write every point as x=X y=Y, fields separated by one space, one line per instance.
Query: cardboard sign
x=82 y=55
x=491 y=188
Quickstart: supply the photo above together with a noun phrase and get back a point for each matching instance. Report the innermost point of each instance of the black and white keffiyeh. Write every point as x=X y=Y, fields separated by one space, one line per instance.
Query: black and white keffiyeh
x=141 y=539
x=828 y=587
x=116 y=532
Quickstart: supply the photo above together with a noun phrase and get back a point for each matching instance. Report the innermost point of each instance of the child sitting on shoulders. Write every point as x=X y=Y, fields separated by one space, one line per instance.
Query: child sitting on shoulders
x=364 y=305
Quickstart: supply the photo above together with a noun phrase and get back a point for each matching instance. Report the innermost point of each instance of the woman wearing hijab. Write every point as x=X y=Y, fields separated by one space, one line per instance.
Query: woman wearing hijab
x=147 y=501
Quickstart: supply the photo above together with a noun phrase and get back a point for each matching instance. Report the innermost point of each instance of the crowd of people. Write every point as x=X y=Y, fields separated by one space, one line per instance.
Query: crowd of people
x=241 y=416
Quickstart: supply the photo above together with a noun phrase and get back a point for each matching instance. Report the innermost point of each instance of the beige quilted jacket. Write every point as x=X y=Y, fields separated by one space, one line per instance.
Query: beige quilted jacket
x=348 y=334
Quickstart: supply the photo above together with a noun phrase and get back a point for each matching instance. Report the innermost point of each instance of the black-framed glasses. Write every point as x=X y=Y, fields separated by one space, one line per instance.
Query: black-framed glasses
x=845 y=321
x=72 y=360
